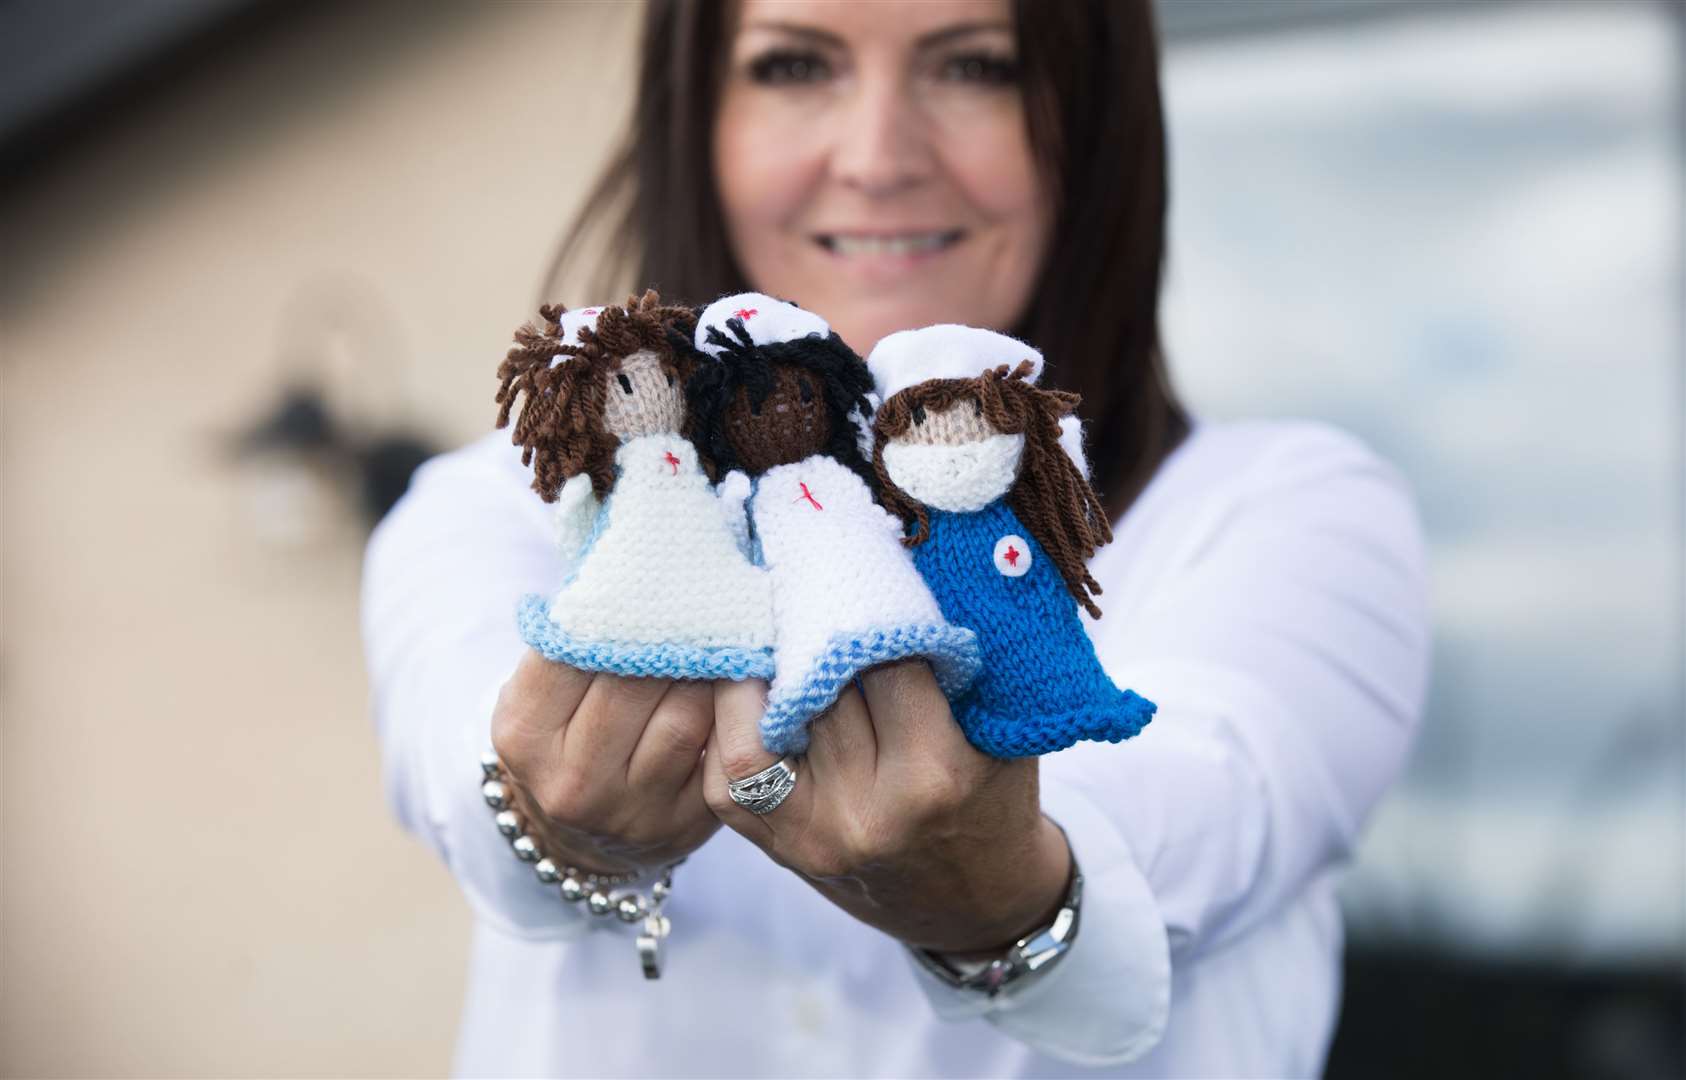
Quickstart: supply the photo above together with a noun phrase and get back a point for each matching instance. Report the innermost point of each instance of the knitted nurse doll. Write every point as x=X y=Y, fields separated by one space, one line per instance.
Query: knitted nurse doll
x=777 y=394
x=976 y=460
x=658 y=584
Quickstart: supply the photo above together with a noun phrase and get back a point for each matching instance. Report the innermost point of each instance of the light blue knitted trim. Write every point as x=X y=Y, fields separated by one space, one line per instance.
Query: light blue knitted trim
x=952 y=651
x=666 y=661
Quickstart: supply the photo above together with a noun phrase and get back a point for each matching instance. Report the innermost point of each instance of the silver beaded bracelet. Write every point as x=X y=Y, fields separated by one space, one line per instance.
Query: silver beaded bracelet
x=602 y=894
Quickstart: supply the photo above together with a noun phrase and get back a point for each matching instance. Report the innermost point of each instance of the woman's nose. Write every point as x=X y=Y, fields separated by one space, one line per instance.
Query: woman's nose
x=881 y=143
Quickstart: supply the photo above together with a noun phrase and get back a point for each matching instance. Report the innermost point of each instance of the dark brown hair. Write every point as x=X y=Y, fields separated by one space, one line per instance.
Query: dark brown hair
x=1090 y=77
x=560 y=428
x=1049 y=496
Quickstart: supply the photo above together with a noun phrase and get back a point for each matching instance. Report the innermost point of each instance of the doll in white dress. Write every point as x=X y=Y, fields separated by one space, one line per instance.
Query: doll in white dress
x=779 y=396
x=657 y=582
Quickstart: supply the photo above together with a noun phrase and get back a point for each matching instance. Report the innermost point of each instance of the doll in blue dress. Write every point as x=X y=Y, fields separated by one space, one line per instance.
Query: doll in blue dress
x=985 y=468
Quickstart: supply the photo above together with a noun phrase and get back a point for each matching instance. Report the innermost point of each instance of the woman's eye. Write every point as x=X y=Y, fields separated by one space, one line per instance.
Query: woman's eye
x=786 y=66
x=626 y=383
x=985 y=68
x=919 y=414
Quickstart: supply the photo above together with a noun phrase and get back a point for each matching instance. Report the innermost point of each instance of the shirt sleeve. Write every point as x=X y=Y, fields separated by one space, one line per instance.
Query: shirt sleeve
x=1285 y=640
x=442 y=577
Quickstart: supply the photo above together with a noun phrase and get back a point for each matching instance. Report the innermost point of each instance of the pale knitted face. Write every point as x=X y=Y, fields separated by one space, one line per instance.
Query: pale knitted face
x=642 y=399
x=958 y=424
x=953 y=459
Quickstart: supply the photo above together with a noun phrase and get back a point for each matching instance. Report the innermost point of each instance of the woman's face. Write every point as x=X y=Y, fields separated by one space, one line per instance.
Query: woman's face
x=873 y=163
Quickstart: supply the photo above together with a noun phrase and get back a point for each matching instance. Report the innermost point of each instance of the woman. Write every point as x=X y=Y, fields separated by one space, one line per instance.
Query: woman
x=892 y=167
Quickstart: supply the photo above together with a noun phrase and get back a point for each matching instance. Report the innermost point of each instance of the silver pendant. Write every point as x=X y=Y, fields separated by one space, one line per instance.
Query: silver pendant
x=651 y=945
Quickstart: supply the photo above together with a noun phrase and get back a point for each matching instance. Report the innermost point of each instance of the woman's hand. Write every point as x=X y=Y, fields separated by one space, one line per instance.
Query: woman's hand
x=607 y=770
x=896 y=819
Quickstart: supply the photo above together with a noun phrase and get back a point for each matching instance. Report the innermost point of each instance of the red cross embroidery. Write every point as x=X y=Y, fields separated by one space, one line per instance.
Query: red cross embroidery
x=806 y=494
x=746 y=312
x=1012 y=556
x=667 y=455
x=589 y=311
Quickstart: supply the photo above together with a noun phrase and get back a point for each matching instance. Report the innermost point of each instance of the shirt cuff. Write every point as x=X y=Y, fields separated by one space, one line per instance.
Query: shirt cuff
x=1107 y=1000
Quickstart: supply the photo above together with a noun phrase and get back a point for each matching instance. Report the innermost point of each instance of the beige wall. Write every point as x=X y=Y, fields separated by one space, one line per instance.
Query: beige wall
x=200 y=875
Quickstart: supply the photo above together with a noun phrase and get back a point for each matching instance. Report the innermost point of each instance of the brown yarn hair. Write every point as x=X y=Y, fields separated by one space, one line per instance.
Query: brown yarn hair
x=1049 y=496
x=1089 y=78
x=560 y=426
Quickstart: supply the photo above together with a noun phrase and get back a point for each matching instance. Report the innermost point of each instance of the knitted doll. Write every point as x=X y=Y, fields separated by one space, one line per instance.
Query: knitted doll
x=658 y=584
x=777 y=394
x=976 y=460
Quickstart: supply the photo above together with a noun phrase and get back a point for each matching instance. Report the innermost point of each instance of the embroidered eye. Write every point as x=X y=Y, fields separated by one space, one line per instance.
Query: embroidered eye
x=670 y=378
x=807 y=392
x=919 y=414
x=626 y=383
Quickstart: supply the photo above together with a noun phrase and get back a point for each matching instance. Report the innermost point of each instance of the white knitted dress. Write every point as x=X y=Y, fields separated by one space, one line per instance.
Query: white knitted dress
x=662 y=587
x=846 y=596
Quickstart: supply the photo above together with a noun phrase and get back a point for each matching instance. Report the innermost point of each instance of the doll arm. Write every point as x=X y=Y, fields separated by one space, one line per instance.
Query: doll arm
x=1071 y=441
x=733 y=491
x=574 y=513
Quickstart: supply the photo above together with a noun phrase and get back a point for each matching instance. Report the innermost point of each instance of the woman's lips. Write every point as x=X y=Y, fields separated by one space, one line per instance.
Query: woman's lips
x=886 y=258
x=896 y=245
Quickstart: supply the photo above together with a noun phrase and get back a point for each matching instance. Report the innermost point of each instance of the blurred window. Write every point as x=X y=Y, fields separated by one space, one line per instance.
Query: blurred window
x=1458 y=234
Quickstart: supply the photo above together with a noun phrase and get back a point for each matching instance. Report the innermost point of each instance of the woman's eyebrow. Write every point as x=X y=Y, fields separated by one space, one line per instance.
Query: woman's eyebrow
x=813 y=33
x=926 y=41
x=959 y=30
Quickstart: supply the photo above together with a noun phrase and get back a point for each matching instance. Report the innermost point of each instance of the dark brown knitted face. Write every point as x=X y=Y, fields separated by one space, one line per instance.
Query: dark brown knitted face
x=792 y=424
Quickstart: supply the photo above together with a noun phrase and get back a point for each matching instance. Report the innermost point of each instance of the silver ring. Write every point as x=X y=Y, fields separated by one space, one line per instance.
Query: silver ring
x=763 y=792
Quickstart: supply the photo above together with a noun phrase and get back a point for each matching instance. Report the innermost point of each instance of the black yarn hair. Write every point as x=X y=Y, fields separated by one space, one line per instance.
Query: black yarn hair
x=743 y=365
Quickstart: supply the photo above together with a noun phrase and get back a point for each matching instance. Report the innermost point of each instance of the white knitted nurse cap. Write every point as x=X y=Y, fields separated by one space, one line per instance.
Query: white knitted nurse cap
x=910 y=357
x=573 y=321
x=768 y=320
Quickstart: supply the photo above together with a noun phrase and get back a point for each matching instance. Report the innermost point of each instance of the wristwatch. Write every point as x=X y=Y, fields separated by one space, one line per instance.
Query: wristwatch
x=1025 y=959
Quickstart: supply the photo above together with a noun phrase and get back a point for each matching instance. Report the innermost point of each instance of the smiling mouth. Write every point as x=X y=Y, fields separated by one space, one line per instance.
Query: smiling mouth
x=920 y=243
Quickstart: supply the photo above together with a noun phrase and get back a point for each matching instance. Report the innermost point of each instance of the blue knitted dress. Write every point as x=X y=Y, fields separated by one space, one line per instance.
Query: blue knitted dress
x=1041 y=687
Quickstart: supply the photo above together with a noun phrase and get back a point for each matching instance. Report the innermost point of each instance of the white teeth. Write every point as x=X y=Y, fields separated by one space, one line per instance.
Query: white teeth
x=907 y=244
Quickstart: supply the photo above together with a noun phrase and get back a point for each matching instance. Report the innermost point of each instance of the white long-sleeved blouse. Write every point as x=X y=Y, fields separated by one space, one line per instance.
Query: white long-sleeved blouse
x=1267 y=591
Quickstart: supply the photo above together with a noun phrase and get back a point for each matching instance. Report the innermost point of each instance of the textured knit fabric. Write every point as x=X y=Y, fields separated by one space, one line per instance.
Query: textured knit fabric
x=1268 y=586
x=765 y=318
x=1041 y=687
x=662 y=588
x=575 y=514
x=944 y=351
x=969 y=476
x=846 y=596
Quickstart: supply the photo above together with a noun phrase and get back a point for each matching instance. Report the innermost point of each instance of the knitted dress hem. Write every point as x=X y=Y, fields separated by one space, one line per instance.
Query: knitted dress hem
x=1030 y=736
x=951 y=650
x=652 y=660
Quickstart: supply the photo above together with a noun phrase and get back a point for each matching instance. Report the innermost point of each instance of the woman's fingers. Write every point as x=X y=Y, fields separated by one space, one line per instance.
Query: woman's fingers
x=671 y=747
x=843 y=748
x=534 y=707
x=910 y=716
x=735 y=753
x=611 y=718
